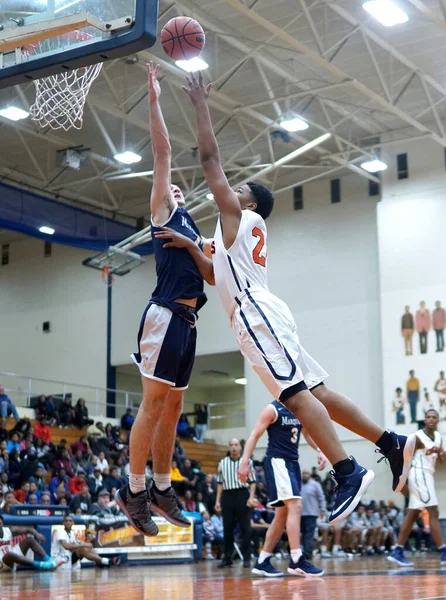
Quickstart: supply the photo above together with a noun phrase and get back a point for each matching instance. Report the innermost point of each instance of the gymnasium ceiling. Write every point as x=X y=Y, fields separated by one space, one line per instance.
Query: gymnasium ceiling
x=328 y=62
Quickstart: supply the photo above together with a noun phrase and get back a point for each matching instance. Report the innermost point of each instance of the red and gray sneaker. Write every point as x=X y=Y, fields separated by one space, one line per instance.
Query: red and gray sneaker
x=136 y=508
x=166 y=505
x=400 y=458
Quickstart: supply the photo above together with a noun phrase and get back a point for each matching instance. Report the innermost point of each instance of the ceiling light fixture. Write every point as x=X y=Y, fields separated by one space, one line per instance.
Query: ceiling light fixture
x=374 y=166
x=192 y=65
x=386 y=12
x=128 y=158
x=13 y=113
x=295 y=124
x=45 y=229
x=241 y=381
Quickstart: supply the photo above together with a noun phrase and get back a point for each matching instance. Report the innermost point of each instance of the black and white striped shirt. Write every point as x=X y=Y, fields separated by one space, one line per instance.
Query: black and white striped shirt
x=227 y=474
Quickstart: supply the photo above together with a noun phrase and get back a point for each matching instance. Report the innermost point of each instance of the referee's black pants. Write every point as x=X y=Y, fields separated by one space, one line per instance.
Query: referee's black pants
x=235 y=511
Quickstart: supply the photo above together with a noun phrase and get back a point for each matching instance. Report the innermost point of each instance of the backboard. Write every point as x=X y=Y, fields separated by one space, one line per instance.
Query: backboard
x=39 y=38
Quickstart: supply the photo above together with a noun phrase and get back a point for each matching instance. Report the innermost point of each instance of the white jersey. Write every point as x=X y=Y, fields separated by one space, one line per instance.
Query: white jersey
x=243 y=266
x=424 y=461
x=58 y=552
x=5 y=543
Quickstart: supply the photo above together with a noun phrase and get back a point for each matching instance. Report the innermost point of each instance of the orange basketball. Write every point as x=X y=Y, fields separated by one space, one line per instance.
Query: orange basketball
x=182 y=38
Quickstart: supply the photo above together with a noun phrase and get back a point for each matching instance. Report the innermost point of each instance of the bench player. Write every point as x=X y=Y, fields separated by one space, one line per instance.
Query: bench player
x=422 y=495
x=265 y=328
x=283 y=484
x=166 y=342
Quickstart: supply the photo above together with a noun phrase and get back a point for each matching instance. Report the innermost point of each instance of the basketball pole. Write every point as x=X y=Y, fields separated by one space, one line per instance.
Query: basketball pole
x=110 y=409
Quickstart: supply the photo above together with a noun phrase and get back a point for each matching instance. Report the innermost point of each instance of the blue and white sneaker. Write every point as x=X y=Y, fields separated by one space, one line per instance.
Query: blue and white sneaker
x=303 y=568
x=400 y=458
x=443 y=557
x=266 y=569
x=397 y=557
x=349 y=491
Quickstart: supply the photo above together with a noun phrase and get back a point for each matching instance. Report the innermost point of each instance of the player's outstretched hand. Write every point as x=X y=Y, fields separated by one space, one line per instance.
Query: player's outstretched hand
x=196 y=89
x=321 y=461
x=243 y=471
x=176 y=240
x=154 y=84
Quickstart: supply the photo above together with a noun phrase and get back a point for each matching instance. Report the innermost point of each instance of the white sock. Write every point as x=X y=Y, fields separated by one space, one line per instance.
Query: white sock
x=323 y=548
x=263 y=556
x=442 y=547
x=208 y=547
x=336 y=547
x=105 y=561
x=295 y=555
x=162 y=481
x=137 y=483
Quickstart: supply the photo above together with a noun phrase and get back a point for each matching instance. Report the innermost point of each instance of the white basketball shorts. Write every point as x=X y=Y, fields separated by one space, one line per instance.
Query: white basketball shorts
x=421 y=489
x=267 y=337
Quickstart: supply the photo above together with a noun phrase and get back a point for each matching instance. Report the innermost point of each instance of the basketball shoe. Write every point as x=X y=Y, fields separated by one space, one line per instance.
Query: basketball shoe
x=349 y=491
x=399 y=458
x=443 y=556
x=304 y=568
x=266 y=569
x=397 y=557
x=165 y=504
x=136 y=508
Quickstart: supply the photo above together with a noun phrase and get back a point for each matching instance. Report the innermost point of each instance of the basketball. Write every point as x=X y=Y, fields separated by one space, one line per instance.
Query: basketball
x=182 y=38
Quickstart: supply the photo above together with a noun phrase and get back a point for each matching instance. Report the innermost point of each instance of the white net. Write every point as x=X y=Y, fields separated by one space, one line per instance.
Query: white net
x=60 y=99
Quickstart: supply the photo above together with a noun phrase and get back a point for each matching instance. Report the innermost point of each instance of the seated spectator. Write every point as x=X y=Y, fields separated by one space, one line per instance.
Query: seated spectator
x=82 y=501
x=95 y=483
x=59 y=481
x=28 y=466
x=208 y=488
x=22 y=494
x=259 y=527
x=210 y=536
x=201 y=508
x=42 y=410
x=177 y=479
x=14 y=467
x=8 y=500
x=362 y=532
x=39 y=476
x=217 y=522
x=14 y=442
x=81 y=445
x=179 y=453
x=7 y=407
x=189 y=474
x=32 y=499
x=331 y=536
x=4 y=483
x=104 y=507
x=52 y=412
x=102 y=462
x=387 y=540
x=185 y=430
x=77 y=482
x=113 y=481
x=261 y=493
x=78 y=461
x=45 y=499
x=4 y=461
x=43 y=451
x=66 y=413
x=63 y=461
x=23 y=426
x=27 y=446
x=41 y=429
x=127 y=420
x=96 y=429
x=122 y=465
x=189 y=504
x=112 y=436
x=81 y=419
x=33 y=490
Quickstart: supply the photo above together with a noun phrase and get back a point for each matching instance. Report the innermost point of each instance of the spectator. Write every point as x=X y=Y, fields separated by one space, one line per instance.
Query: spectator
x=103 y=507
x=52 y=413
x=45 y=499
x=201 y=422
x=81 y=419
x=210 y=536
x=26 y=446
x=259 y=527
x=14 y=442
x=217 y=522
x=41 y=429
x=208 y=488
x=82 y=501
x=261 y=493
x=14 y=466
x=22 y=494
x=63 y=461
x=4 y=485
x=313 y=505
x=59 y=481
x=179 y=454
x=42 y=450
x=315 y=475
x=77 y=482
x=177 y=479
x=95 y=482
x=78 y=461
x=188 y=503
x=185 y=430
x=201 y=508
x=66 y=413
x=4 y=461
x=33 y=490
x=32 y=499
x=189 y=475
x=23 y=426
x=28 y=466
x=7 y=407
x=97 y=429
x=8 y=500
x=81 y=445
x=127 y=420
x=39 y=476
x=113 y=481
x=328 y=488
x=102 y=462
x=42 y=410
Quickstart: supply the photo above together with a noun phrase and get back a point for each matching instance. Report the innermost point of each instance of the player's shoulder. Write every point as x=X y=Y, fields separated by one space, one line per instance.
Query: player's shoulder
x=251 y=217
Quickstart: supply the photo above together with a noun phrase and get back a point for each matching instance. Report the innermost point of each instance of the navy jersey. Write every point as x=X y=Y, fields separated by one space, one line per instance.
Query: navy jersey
x=283 y=434
x=178 y=276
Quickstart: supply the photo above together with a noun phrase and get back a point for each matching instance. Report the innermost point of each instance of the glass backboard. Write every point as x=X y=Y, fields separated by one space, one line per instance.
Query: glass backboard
x=43 y=37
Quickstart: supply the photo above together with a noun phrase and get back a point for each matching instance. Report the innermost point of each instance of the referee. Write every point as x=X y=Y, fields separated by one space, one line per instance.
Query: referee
x=235 y=499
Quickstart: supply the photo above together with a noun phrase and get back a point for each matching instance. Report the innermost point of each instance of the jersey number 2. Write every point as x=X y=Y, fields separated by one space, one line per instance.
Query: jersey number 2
x=259 y=260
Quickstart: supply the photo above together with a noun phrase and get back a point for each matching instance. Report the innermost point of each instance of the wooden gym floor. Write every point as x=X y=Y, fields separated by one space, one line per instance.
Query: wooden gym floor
x=357 y=579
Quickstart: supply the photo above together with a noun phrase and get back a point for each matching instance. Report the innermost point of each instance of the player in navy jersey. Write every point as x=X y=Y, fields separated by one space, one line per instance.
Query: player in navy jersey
x=283 y=484
x=166 y=341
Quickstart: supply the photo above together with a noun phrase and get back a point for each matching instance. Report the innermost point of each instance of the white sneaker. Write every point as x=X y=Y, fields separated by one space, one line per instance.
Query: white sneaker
x=326 y=554
x=339 y=554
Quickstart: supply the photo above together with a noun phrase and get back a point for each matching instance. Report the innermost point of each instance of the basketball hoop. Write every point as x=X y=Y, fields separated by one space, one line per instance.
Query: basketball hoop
x=60 y=98
x=107 y=277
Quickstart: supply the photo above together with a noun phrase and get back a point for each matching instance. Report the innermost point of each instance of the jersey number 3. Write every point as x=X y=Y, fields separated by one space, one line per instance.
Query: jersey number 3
x=259 y=260
x=295 y=435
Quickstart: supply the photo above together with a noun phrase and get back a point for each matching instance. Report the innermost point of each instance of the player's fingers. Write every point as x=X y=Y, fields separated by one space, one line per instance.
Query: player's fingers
x=188 y=81
x=209 y=87
x=169 y=245
x=200 y=77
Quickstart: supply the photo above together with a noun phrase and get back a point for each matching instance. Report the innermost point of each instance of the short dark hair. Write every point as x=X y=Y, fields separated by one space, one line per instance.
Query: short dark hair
x=263 y=197
x=432 y=410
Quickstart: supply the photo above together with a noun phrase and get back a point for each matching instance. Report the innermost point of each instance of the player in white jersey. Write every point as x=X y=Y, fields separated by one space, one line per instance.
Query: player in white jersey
x=422 y=495
x=265 y=328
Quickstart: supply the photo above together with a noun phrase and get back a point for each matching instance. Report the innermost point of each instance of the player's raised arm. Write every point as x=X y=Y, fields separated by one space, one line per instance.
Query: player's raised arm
x=267 y=416
x=224 y=195
x=161 y=201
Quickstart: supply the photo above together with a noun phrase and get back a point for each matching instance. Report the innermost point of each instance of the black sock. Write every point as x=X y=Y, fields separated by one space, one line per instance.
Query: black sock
x=164 y=492
x=344 y=467
x=385 y=442
x=137 y=493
